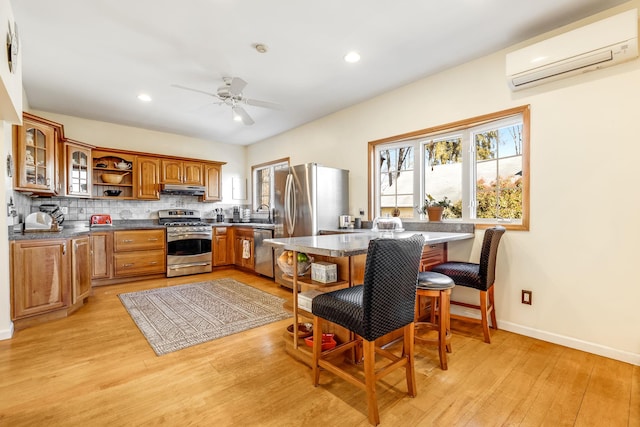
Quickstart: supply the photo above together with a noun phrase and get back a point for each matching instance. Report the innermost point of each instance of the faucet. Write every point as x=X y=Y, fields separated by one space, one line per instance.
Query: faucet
x=268 y=210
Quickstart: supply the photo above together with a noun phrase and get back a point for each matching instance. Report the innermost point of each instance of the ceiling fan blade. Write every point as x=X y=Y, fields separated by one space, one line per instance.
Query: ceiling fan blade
x=263 y=104
x=195 y=90
x=240 y=114
x=236 y=86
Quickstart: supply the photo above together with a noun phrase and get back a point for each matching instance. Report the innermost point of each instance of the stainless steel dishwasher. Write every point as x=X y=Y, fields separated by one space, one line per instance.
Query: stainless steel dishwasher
x=263 y=255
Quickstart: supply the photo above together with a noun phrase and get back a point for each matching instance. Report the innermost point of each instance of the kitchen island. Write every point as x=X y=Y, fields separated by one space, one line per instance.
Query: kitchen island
x=348 y=251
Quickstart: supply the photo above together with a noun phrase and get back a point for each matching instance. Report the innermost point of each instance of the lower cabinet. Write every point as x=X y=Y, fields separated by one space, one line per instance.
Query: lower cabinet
x=39 y=277
x=221 y=253
x=433 y=255
x=80 y=268
x=243 y=252
x=139 y=252
x=101 y=254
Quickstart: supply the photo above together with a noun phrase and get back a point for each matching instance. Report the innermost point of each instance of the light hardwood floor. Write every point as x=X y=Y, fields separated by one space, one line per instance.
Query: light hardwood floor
x=95 y=368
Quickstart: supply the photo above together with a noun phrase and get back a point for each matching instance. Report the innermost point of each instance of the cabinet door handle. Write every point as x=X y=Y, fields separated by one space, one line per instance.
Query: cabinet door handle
x=64 y=249
x=127 y=265
x=127 y=241
x=153 y=262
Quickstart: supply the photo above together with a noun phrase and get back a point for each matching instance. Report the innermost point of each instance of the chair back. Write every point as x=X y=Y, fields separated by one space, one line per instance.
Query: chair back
x=389 y=290
x=489 y=253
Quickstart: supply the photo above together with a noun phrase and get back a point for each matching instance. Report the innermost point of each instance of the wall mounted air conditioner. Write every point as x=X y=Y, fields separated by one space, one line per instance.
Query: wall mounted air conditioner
x=598 y=45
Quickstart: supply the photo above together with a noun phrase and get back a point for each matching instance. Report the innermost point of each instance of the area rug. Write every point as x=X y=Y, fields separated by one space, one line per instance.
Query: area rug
x=177 y=317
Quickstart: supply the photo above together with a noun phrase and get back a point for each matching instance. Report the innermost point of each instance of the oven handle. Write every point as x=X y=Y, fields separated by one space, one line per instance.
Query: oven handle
x=183 y=236
x=177 y=266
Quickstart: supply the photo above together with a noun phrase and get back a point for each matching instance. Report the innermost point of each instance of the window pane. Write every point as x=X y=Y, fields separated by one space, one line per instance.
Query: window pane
x=396 y=181
x=443 y=172
x=499 y=173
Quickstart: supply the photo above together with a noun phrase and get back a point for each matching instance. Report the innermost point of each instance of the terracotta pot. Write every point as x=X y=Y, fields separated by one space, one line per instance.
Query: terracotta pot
x=435 y=213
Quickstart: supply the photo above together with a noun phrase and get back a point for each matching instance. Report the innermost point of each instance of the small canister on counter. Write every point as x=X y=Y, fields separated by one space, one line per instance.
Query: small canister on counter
x=357 y=223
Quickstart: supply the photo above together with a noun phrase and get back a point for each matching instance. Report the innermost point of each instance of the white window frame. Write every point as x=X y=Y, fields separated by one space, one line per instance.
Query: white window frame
x=465 y=128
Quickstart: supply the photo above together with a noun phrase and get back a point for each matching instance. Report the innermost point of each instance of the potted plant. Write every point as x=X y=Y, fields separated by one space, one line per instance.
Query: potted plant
x=434 y=209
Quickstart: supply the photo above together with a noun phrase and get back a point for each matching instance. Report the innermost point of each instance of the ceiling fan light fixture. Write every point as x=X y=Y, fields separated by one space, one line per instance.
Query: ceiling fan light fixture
x=236 y=116
x=352 y=57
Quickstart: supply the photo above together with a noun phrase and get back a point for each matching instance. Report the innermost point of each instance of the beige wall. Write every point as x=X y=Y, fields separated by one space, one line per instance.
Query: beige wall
x=579 y=256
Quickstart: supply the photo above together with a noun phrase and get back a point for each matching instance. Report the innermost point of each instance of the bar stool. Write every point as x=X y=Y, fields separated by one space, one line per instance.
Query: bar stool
x=437 y=287
x=384 y=303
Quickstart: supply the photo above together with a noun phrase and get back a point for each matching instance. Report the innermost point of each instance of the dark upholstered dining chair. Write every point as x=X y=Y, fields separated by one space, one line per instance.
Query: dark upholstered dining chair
x=480 y=276
x=384 y=303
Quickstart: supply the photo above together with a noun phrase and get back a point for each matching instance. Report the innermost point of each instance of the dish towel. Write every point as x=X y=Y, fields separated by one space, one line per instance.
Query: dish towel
x=246 y=249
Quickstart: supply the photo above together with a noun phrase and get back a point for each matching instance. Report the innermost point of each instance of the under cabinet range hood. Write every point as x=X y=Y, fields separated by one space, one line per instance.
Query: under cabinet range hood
x=184 y=190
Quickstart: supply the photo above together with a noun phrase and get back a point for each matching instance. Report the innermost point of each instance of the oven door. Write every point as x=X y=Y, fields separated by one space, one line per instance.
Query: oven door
x=188 y=253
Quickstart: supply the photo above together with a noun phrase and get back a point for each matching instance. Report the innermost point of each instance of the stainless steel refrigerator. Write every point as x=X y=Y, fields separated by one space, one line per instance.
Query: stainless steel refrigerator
x=308 y=198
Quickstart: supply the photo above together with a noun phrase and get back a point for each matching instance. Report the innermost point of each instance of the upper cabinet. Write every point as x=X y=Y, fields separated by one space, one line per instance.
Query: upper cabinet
x=78 y=169
x=35 y=144
x=212 y=182
x=181 y=172
x=113 y=174
x=148 y=176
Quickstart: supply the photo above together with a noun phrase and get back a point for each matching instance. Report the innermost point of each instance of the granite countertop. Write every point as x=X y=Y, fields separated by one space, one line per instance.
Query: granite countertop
x=78 y=228
x=348 y=244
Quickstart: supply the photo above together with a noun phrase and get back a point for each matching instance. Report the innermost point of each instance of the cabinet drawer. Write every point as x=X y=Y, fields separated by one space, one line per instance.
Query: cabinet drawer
x=243 y=232
x=139 y=263
x=433 y=255
x=219 y=231
x=136 y=240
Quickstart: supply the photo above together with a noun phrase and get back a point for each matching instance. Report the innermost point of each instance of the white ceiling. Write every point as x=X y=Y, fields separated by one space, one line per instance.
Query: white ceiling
x=92 y=58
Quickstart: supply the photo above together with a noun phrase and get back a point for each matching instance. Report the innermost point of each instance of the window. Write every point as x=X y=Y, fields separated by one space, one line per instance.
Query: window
x=263 y=183
x=479 y=165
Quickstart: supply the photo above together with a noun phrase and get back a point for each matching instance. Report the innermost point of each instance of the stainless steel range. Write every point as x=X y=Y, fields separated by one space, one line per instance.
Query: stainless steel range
x=188 y=242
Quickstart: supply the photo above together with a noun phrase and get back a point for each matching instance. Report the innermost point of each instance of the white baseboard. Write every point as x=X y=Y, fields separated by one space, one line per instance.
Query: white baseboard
x=589 y=347
x=6 y=334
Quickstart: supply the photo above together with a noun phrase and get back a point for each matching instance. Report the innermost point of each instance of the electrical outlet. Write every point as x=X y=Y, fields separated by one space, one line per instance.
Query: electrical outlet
x=64 y=210
x=361 y=212
x=526 y=297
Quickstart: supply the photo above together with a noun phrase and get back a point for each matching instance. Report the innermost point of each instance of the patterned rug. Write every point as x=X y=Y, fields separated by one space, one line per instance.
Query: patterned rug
x=177 y=317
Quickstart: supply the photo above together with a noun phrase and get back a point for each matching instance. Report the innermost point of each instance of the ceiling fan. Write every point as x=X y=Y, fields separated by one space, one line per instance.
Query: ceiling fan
x=231 y=94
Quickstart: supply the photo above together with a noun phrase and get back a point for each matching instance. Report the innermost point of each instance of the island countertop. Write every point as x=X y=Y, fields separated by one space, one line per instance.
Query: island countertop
x=343 y=245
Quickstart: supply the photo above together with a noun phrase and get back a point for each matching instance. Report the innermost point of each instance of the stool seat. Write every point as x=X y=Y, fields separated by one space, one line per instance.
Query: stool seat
x=433 y=280
x=437 y=287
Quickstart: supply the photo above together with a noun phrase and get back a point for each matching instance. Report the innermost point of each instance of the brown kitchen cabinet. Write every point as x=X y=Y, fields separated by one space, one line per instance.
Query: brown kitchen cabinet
x=104 y=163
x=77 y=167
x=148 y=178
x=101 y=254
x=221 y=253
x=240 y=235
x=181 y=172
x=35 y=145
x=39 y=277
x=80 y=268
x=139 y=252
x=433 y=255
x=212 y=183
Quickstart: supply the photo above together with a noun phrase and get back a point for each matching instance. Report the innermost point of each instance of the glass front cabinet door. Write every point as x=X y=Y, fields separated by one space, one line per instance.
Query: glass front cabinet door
x=35 y=157
x=78 y=170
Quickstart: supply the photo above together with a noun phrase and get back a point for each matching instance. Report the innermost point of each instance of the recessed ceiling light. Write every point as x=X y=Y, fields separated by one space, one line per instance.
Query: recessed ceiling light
x=261 y=48
x=352 y=57
x=144 y=97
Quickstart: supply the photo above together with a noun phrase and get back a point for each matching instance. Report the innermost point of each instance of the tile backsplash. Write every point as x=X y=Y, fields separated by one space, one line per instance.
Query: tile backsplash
x=82 y=209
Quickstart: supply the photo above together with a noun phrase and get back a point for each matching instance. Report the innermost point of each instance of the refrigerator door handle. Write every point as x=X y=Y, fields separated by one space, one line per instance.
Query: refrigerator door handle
x=290 y=205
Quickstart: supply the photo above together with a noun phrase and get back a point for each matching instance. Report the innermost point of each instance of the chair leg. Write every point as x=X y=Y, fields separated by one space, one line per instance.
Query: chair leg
x=317 y=349
x=492 y=308
x=369 y=349
x=408 y=352
x=484 y=314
